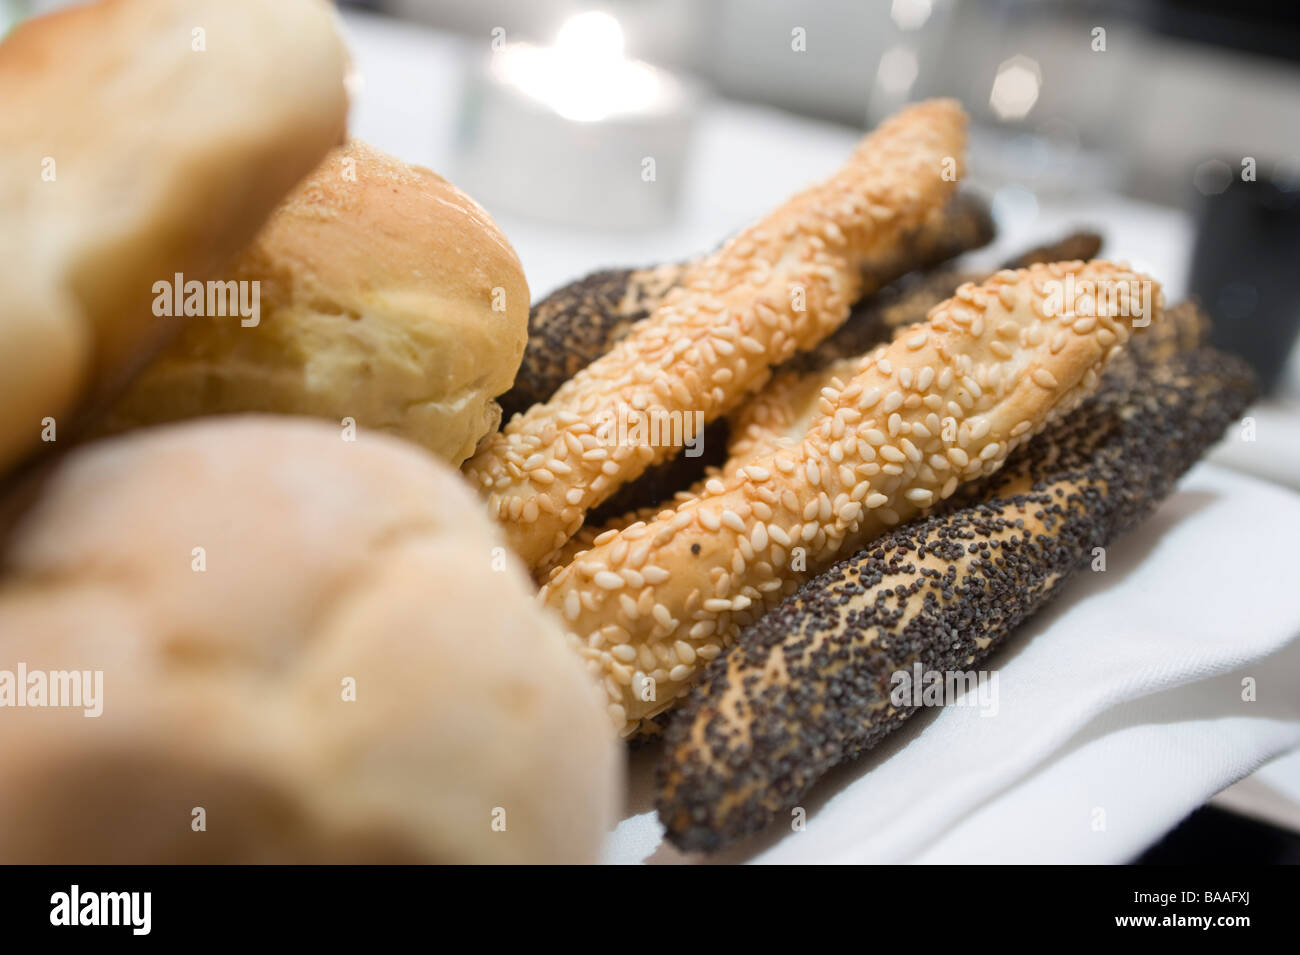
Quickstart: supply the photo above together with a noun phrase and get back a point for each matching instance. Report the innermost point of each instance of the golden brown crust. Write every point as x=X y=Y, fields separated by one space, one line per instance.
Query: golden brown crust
x=781 y=410
x=937 y=407
x=777 y=287
x=576 y=324
x=775 y=418
x=130 y=156
x=387 y=296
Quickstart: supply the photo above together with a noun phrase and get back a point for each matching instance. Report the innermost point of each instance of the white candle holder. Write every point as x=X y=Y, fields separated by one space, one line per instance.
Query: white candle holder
x=575 y=133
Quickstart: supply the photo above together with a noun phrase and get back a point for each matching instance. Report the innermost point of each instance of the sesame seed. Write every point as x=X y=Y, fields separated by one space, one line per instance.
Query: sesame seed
x=608 y=580
x=654 y=575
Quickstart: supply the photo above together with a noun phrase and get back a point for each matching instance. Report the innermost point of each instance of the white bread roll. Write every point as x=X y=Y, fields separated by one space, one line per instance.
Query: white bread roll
x=142 y=138
x=387 y=296
x=324 y=561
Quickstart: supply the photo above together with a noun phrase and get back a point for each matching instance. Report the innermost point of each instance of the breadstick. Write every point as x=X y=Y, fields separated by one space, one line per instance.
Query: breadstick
x=777 y=417
x=882 y=316
x=809 y=686
x=576 y=324
x=777 y=287
x=935 y=408
x=875 y=319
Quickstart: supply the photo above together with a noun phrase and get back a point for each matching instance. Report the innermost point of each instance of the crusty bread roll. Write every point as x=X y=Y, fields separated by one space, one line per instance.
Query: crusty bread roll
x=387 y=296
x=142 y=138
x=323 y=561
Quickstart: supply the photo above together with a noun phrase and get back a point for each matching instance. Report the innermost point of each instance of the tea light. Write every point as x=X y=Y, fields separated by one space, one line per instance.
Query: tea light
x=576 y=132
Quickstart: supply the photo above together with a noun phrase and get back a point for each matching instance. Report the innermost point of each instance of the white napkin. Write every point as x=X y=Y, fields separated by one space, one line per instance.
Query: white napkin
x=1120 y=708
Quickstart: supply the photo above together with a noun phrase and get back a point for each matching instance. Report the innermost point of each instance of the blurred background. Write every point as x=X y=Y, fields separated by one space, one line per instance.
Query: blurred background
x=630 y=132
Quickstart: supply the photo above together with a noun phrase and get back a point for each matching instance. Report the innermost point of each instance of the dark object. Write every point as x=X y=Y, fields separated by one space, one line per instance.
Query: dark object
x=1244 y=267
x=1265 y=27
x=1213 y=836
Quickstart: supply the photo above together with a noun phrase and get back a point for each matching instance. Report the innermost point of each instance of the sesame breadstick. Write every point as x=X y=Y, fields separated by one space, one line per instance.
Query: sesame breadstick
x=577 y=323
x=876 y=318
x=809 y=686
x=777 y=287
x=940 y=406
x=887 y=314
x=777 y=417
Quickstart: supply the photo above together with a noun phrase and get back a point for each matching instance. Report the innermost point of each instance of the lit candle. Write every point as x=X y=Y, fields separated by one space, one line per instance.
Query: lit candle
x=577 y=132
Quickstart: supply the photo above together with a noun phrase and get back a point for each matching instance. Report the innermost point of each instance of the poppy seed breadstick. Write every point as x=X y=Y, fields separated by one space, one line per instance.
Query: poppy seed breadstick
x=943 y=405
x=809 y=686
x=777 y=287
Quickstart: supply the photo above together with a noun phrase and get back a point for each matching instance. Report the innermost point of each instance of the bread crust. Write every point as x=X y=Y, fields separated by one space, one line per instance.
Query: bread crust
x=777 y=287
x=234 y=580
x=577 y=323
x=131 y=155
x=388 y=297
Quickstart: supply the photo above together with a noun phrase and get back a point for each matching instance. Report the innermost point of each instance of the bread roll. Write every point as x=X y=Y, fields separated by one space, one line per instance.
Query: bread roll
x=387 y=296
x=226 y=669
x=142 y=139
